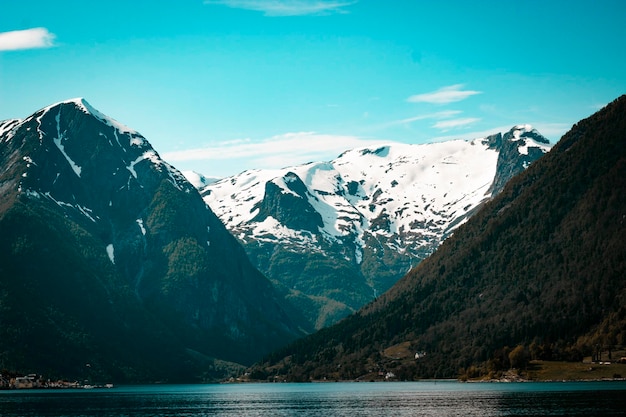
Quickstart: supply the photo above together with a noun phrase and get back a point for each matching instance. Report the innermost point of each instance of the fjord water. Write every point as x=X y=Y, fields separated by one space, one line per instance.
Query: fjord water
x=432 y=398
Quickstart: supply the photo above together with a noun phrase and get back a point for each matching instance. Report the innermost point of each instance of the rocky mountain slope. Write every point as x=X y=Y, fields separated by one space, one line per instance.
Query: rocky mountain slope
x=336 y=234
x=539 y=272
x=109 y=257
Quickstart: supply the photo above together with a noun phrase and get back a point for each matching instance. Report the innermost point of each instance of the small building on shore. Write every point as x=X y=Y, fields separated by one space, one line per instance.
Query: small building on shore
x=24 y=382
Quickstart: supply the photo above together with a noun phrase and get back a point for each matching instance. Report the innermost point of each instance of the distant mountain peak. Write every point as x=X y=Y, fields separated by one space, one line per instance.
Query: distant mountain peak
x=523 y=128
x=528 y=132
x=517 y=148
x=371 y=213
x=79 y=143
x=83 y=105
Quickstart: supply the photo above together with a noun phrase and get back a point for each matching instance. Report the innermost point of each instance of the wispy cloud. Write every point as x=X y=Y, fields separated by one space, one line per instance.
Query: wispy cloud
x=287 y=7
x=455 y=123
x=444 y=95
x=26 y=39
x=446 y=114
x=440 y=115
x=277 y=151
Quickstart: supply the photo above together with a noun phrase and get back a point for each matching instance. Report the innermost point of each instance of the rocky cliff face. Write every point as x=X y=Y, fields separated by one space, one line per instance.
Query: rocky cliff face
x=135 y=232
x=517 y=149
x=336 y=234
x=288 y=203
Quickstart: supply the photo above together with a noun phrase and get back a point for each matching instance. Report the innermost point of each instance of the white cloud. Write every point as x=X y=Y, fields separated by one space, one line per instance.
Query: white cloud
x=444 y=95
x=287 y=7
x=455 y=123
x=438 y=115
x=275 y=152
x=26 y=39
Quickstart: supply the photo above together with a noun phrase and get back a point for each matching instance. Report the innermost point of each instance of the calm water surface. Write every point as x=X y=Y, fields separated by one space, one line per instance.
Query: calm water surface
x=326 y=399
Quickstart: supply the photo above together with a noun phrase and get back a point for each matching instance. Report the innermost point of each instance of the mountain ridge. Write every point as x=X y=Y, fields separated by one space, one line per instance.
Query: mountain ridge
x=335 y=234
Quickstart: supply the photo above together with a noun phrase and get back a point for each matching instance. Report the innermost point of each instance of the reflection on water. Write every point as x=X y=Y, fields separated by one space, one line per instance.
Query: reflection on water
x=329 y=399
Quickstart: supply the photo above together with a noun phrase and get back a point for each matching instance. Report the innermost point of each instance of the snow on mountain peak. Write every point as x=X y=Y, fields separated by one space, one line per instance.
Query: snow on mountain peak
x=80 y=144
x=404 y=185
x=529 y=138
x=369 y=215
x=89 y=109
x=83 y=105
x=401 y=182
x=522 y=128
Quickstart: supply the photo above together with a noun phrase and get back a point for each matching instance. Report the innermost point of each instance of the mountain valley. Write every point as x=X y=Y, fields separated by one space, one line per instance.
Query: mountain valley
x=335 y=235
x=414 y=260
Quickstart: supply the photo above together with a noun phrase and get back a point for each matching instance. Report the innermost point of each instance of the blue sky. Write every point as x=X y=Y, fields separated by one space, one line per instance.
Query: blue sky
x=220 y=86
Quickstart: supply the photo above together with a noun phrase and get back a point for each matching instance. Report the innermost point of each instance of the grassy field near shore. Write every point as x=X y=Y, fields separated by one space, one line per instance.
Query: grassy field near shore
x=573 y=371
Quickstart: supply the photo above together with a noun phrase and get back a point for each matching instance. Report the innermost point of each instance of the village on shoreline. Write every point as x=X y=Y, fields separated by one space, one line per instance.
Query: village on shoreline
x=596 y=368
x=11 y=381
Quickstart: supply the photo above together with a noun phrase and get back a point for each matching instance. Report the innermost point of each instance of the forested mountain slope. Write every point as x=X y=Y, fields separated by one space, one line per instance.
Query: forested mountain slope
x=109 y=257
x=542 y=266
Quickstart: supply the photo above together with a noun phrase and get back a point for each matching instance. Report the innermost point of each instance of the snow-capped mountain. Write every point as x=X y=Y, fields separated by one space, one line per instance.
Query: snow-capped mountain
x=335 y=234
x=119 y=254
